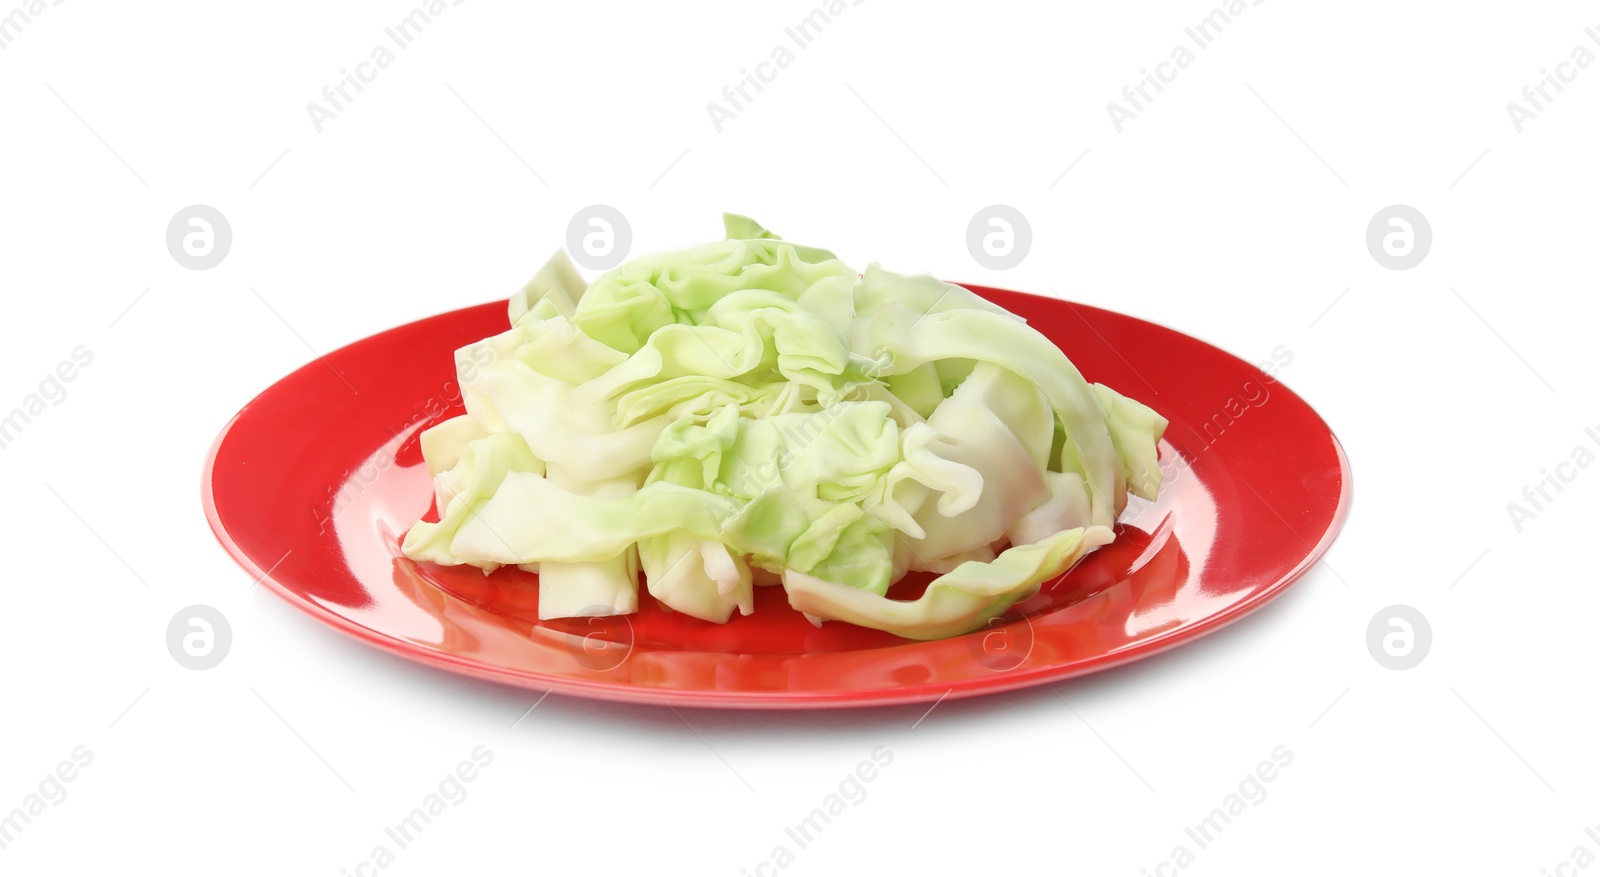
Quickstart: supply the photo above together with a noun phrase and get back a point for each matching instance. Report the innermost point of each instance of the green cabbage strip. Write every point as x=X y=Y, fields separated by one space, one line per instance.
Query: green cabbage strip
x=956 y=602
x=913 y=339
x=1135 y=433
x=528 y=520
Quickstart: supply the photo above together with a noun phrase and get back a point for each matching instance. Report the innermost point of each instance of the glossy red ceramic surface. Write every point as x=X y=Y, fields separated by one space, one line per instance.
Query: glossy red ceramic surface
x=312 y=485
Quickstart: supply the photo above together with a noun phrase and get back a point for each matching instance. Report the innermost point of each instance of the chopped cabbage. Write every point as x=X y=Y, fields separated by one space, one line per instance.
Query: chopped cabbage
x=751 y=411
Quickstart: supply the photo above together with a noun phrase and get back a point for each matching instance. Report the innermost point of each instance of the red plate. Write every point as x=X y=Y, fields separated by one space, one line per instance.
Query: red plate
x=311 y=486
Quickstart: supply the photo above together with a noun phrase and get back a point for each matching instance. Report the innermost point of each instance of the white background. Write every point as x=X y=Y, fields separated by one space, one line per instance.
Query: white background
x=1238 y=217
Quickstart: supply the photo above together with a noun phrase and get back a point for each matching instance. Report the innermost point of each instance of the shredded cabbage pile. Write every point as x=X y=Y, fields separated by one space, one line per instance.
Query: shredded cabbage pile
x=753 y=412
